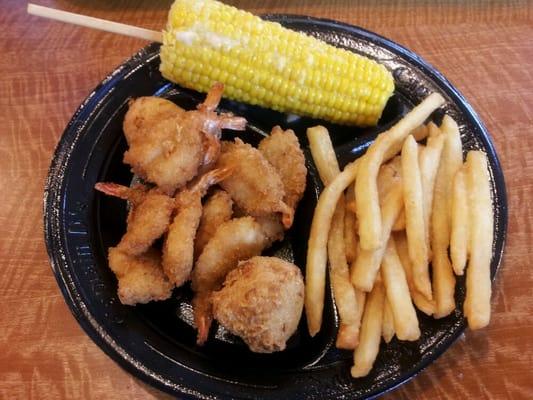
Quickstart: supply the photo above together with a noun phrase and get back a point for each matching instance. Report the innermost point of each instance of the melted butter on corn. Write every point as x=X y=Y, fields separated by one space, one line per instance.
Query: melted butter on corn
x=199 y=35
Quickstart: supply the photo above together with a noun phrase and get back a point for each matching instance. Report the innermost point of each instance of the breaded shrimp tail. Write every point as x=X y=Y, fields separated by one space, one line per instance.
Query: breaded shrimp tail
x=211 y=150
x=203 y=316
x=287 y=214
x=217 y=122
x=213 y=98
x=209 y=179
x=228 y=121
x=211 y=124
x=135 y=194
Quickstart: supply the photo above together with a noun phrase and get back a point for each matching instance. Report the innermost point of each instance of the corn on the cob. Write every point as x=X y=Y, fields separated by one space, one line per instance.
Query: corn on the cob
x=265 y=64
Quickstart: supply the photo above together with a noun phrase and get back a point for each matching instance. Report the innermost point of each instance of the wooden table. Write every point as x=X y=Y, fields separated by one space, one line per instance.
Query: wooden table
x=47 y=68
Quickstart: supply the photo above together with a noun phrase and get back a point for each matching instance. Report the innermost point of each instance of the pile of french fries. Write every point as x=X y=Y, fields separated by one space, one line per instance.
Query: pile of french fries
x=395 y=226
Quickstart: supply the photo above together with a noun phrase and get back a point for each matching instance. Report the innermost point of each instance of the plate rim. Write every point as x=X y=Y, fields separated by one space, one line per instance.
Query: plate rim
x=53 y=191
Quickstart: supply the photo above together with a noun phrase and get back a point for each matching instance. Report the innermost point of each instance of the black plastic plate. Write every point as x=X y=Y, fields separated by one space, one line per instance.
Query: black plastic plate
x=155 y=342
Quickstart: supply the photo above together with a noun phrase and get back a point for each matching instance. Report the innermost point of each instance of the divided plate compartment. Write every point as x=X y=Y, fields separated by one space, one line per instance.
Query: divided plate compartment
x=156 y=341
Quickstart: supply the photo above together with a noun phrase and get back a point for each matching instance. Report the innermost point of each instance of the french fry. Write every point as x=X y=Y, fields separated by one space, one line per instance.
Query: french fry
x=328 y=168
x=433 y=129
x=459 y=223
x=388 y=175
x=443 y=283
x=317 y=251
x=396 y=163
x=356 y=250
x=385 y=147
x=361 y=299
x=366 y=266
x=414 y=217
x=323 y=153
x=431 y=203
x=367 y=263
x=405 y=319
x=420 y=132
x=399 y=224
x=387 y=330
x=348 y=335
x=343 y=291
x=423 y=304
x=366 y=352
x=478 y=285
x=350 y=238
x=429 y=158
x=454 y=156
x=317 y=246
x=451 y=161
x=350 y=206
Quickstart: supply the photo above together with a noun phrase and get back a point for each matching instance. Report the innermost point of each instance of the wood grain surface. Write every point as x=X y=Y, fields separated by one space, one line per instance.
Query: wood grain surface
x=485 y=48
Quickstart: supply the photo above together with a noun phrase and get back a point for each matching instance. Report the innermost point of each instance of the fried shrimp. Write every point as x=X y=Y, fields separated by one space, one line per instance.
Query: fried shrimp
x=282 y=150
x=168 y=146
x=262 y=302
x=148 y=219
x=178 y=250
x=169 y=155
x=140 y=278
x=144 y=113
x=255 y=185
x=217 y=209
x=235 y=240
